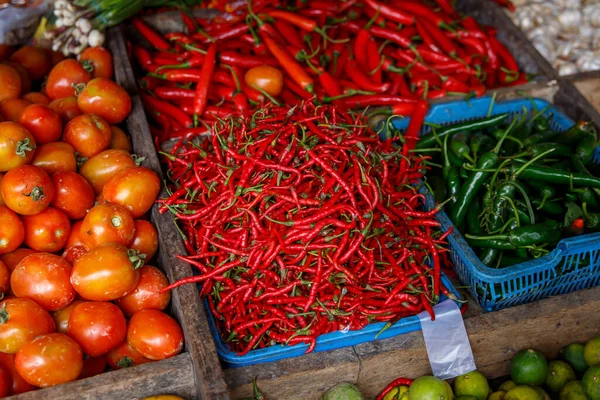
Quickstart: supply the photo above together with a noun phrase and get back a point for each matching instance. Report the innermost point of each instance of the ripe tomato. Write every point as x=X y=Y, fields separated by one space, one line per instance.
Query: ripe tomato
x=44 y=278
x=1 y=199
x=27 y=190
x=56 y=57
x=107 y=223
x=5 y=382
x=21 y=320
x=61 y=317
x=72 y=254
x=42 y=122
x=12 y=232
x=265 y=77
x=66 y=107
x=98 y=326
x=6 y=51
x=75 y=236
x=4 y=278
x=154 y=334
x=88 y=134
x=101 y=61
x=11 y=83
x=125 y=356
x=134 y=188
x=16 y=145
x=19 y=385
x=23 y=74
x=145 y=238
x=146 y=294
x=13 y=258
x=120 y=140
x=100 y=168
x=12 y=109
x=55 y=157
x=36 y=98
x=49 y=360
x=64 y=78
x=105 y=273
x=36 y=61
x=105 y=98
x=92 y=366
x=47 y=231
x=74 y=195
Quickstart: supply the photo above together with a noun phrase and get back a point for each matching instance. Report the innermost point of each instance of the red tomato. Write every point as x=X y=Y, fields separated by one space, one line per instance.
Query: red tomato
x=49 y=360
x=66 y=107
x=101 y=167
x=27 y=190
x=120 y=140
x=107 y=223
x=21 y=321
x=1 y=198
x=64 y=78
x=145 y=239
x=75 y=237
x=36 y=98
x=12 y=259
x=105 y=273
x=5 y=382
x=98 y=326
x=35 y=60
x=44 y=278
x=61 y=317
x=47 y=231
x=56 y=57
x=134 y=188
x=19 y=385
x=101 y=61
x=105 y=98
x=74 y=195
x=4 y=278
x=12 y=232
x=154 y=334
x=92 y=366
x=72 y=254
x=16 y=145
x=55 y=157
x=125 y=356
x=42 y=122
x=265 y=77
x=88 y=134
x=23 y=74
x=146 y=294
x=12 y=109
x=11 y=83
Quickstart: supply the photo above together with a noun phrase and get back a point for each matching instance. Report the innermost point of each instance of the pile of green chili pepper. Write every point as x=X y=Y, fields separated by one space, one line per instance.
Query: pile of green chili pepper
x=516 y=186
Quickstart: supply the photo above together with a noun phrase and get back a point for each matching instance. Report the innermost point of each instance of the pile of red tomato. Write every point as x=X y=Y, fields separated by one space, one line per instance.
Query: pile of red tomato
x=78 y=294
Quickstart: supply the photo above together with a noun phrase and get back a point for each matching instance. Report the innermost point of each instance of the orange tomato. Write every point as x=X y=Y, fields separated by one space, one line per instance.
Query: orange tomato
x=98 y=327
x=36 y=98
x=23 y=74
x=13 y=258
x=55 y=157
x=4 y=278
x=65 y=78
x=22 y=320
x=19 y=385
x=98 y=170
x=120 y=140
x=88 y=134
x=154 y=334
x=146 y=294
x=12 y=232
x=11 y=109
x=27 y=190
x=134 y=188
x=74 y=195
x=35 y=60
x=107 y=223
x=42 y=122
x=66 y=107
x=125 y=356
x=100 y=60
x=75 y=236
x=16 y=145
x=61 y=317
x=145 y=238
x=47 y=231
x=106 y=99
x=11 y=83
x=265 y=77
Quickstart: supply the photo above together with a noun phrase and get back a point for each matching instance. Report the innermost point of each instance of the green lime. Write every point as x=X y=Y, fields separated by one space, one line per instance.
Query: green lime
x=573 y=391
x=528 y=367
x=499 y=395
x=591 y=352
x=573 y=354
x=466 y=398
x=522 y=393
x=397 y=393
x=428 y=388
x=542 y=393
x=591 y=382
x=472 y=384
x=343 y=391
x=506 y=386
x=559 y=374
x=449 y=390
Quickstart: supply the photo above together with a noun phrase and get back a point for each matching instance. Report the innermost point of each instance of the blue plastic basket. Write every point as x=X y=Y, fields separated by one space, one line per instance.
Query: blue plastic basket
x=556 y=273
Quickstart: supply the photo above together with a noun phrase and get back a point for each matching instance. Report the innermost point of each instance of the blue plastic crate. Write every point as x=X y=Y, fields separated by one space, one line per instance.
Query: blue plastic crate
x=556 y=273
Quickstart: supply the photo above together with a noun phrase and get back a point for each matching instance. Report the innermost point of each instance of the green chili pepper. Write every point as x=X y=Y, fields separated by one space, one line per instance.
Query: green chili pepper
x=586 y=195
x=488 y=255
x=540 y=138
x=498 y=133
x=547 y=232
x=453 y=186
x=591 y=220
x=549 y=207
x=438 y=185
x=430 y=140
x=570 y=198
x=473 y=224
x=454 y=160
x=475 y=181
x=574 y=133
x=562 y=165
x=459 y=145
x=558 y=150
x=585 y=148
x=480 y=142
x=554 y=176
x=544 y=190
x=541 y=125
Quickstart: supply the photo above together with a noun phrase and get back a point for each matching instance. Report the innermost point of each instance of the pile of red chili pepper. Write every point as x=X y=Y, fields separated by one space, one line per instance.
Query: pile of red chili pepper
x=353 y=54
x=300 y=221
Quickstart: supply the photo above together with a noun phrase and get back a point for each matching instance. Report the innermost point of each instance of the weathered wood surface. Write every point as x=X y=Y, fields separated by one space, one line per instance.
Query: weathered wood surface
x=547 y=325
x=589 y=85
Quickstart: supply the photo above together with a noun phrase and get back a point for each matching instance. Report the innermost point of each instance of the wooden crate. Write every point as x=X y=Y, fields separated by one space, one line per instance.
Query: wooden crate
x=194 y=374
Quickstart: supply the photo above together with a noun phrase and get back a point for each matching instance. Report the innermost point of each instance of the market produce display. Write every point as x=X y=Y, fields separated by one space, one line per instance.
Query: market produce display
x=352 y=54
x=566 y=33
x=74 y=239
x=301 y=222
x=516 y=187
x=574 y=376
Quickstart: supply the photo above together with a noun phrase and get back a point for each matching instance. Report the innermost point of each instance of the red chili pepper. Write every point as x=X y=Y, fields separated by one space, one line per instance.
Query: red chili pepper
x=392 y=385
x=420 y=11
x=452 y=84
x=142 y=55
x=189 y=22
x=362 y=80
x=416 y=123
x=440 y=39
x=168 y=109
x=155 y=39
x=391 y=13
x=171 y=93
x=245 y=61
x=290 y=65
x=289 y=33
x=204 y=81
x=361 y=101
